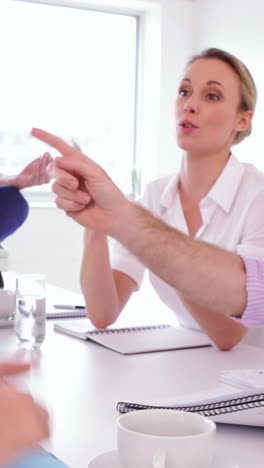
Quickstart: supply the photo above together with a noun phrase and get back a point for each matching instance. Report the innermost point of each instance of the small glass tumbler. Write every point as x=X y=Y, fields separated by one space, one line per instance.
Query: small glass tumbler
x=30 y=318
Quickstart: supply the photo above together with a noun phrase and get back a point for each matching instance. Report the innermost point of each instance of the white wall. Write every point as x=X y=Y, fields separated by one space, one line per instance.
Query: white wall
x=237 y=26
x=48 y=242
x=51 y=243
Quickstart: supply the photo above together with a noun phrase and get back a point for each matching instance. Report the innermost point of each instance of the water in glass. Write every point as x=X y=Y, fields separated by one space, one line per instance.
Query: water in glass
x=30 y=318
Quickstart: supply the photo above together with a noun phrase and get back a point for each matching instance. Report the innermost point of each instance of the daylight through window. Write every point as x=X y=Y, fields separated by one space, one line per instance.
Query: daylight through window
x=72 y=72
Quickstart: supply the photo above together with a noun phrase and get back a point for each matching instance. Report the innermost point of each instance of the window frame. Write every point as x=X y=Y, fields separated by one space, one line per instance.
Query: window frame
x=148 y=14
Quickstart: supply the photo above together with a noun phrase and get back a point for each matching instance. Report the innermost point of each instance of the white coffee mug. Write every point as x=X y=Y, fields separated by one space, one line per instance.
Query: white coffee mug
x=165 y=439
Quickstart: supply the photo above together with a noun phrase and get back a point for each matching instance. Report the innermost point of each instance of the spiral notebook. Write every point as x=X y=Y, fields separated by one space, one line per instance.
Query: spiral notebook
x=223 y=404
x=67 y=312
x=136 y=340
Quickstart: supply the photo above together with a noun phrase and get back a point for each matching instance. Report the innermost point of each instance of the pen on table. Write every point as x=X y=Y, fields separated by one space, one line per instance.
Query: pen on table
x=68 y=307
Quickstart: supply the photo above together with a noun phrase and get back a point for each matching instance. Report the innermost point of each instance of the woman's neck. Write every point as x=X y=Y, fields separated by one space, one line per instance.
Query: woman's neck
x=199 y=173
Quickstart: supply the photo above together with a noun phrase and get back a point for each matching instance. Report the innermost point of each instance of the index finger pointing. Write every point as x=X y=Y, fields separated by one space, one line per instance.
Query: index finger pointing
x=53 y=140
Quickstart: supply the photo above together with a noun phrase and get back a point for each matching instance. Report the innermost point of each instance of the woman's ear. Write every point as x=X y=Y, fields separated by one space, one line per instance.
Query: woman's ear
x=244 y=120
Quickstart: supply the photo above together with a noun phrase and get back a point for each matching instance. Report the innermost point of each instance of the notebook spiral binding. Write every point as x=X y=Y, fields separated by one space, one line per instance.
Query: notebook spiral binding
x=128 y=329
x=211 y=409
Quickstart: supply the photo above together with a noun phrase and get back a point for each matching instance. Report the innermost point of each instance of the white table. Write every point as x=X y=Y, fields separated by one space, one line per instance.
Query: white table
x=82 y=382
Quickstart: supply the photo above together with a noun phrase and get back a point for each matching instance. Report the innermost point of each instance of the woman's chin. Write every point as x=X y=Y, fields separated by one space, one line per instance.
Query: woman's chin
x=186 y=145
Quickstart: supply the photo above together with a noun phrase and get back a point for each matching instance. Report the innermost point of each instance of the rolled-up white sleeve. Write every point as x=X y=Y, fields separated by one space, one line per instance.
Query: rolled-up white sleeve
x=124 y=261
x=253 y=316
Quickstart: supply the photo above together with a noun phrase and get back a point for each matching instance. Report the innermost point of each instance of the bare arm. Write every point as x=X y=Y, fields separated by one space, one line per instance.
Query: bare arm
x=204 y=274
x=221 y=329
x=150 y=237
x=106 y=291
x=209 y=280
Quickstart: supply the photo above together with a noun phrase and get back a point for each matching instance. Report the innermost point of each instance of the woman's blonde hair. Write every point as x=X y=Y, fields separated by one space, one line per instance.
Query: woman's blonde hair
x=248 y=88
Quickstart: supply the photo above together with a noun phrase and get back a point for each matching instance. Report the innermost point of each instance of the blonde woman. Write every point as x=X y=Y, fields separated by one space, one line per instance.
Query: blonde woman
x=214 y=199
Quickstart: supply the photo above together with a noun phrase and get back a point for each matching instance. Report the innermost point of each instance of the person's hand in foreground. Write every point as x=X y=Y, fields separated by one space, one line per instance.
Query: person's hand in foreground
x=23 y=423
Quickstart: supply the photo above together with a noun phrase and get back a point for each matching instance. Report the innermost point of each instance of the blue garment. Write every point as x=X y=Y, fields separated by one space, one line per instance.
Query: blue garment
x=36 y=459
x=13 y=210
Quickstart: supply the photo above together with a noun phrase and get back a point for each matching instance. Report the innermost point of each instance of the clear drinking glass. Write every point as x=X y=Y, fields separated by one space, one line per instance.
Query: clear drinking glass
x=30 y=318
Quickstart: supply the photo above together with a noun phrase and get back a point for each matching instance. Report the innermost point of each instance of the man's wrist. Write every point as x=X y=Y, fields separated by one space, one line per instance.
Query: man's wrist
x=126 y=224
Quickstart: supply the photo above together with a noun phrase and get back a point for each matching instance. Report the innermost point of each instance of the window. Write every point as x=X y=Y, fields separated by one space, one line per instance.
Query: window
x=72 y=72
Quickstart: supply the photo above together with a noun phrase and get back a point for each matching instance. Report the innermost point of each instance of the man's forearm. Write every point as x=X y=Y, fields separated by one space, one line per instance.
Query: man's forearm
x=203 y=273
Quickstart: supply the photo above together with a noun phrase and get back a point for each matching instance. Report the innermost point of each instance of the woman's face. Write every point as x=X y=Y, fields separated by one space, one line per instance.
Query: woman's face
x=207 y=107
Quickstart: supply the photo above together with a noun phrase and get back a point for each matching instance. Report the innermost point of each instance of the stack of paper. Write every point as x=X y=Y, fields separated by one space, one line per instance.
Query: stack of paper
x=244 y=378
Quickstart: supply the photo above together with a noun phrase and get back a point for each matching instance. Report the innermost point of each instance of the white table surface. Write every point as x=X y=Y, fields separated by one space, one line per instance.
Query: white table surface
x=82 y=382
